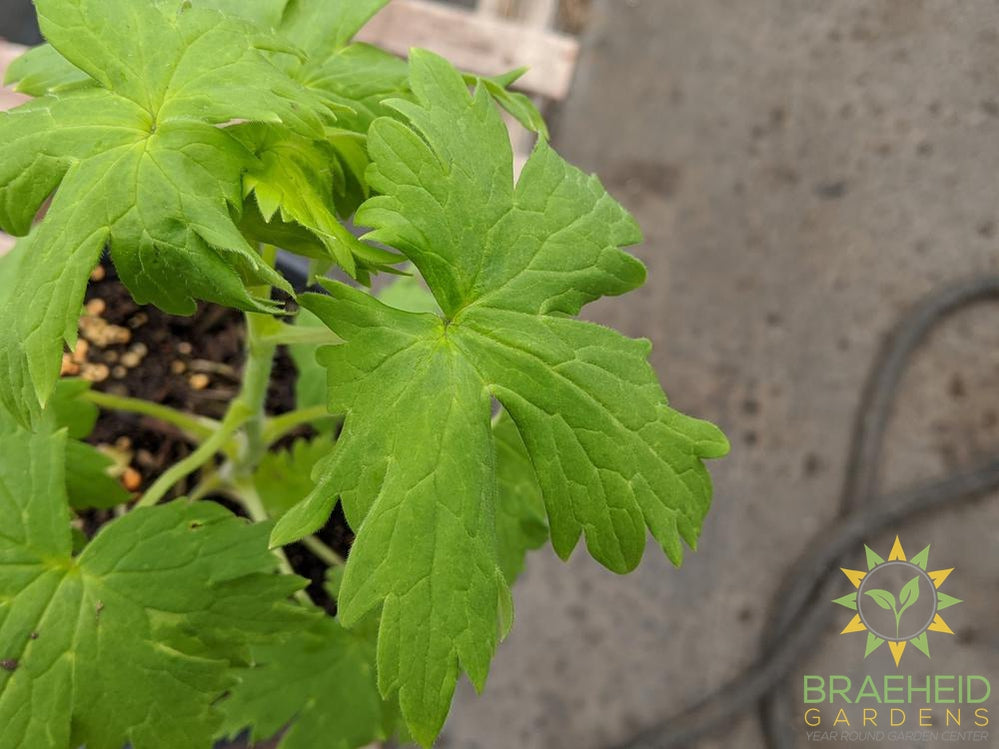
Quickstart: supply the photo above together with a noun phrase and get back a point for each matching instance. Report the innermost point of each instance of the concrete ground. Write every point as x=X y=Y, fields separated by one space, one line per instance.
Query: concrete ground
x=804 y=172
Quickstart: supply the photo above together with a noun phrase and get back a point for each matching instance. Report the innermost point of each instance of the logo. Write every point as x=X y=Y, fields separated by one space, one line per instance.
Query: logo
x=897 y=601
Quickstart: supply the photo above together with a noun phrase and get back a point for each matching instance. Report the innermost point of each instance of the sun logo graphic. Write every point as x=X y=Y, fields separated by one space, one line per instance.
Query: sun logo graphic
x=897 y=601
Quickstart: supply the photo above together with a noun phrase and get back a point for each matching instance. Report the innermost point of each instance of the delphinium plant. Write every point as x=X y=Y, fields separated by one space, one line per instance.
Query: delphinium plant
x=466 y=416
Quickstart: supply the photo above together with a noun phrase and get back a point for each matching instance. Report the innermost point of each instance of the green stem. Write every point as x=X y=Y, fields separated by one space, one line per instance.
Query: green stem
x=278 y=426
x=210 y=482
x=235 y=418
x=323 y=551
x=244 y=489
x=289 y=335
x=257 y=376
x=247 y=494
x=199 y=427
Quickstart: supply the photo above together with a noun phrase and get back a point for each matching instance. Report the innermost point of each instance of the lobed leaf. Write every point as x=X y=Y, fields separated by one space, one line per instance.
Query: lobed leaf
x=521 y=524
x=293 y=183
x=319 y=685
x=323 y=29
x=132 y=640
x=284 y=477
x=89 y=480
x=415 y=467
x=137 y=161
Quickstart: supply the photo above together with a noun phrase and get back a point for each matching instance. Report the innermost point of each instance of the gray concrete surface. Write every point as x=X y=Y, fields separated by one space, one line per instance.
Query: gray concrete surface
x=804 y=172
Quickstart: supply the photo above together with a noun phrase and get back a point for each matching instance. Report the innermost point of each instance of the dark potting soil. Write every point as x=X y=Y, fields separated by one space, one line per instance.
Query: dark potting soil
x=192 y=364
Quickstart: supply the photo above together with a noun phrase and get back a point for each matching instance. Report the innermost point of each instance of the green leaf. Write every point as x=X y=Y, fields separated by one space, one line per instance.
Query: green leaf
x=293 y=181
x=363 y=77
x=882 y=598
x=89 y=482
x=357 y=75
x=284 y=477
x=42 y=70
x=415 y=464
x=68 y=408
x=352 y=164
x=324 y=28
x=10 y=267
x=405 y=293
x=429 y=546
x=320 y=684
x=310 y=384
x=138 y=161
x=520 y=510
x=132 y=640
x=518 y=105
x=409 y=294
x=265 y=13
x=909 y=594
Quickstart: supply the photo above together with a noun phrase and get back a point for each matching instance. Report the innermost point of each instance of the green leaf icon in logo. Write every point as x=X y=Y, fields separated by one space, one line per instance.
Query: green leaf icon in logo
x=909 y=594
x=882 y=598
x=906 y=598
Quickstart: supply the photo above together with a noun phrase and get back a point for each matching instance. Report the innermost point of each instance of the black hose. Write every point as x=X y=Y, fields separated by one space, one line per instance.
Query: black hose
x=794 y=624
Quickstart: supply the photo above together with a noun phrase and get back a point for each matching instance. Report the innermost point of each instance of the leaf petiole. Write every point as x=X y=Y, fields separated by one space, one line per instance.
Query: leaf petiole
x=238 y=415
x=197 y=427
x=289 y=335
x=246 y=494
x=279 y=426
x=324 y=552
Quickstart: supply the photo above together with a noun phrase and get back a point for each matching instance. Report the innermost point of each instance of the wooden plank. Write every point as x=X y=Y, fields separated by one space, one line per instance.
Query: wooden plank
x=539 y=14
x=494 y=8
x=477 y=42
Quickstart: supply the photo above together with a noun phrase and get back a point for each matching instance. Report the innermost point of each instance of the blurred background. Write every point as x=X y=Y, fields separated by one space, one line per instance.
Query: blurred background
x=806 y=173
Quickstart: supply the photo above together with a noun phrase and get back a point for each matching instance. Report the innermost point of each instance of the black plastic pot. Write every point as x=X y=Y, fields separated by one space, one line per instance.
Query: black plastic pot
x=18 y=22
x=294 y=268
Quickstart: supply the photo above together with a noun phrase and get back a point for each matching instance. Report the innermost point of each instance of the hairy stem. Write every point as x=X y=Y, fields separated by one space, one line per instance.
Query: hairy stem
x=289 y=335
x=198 y=427
x=211 y=481
x=257 y=377
x=324 y=552
x=244 y=491
x=277 y=427
x=235 y=418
